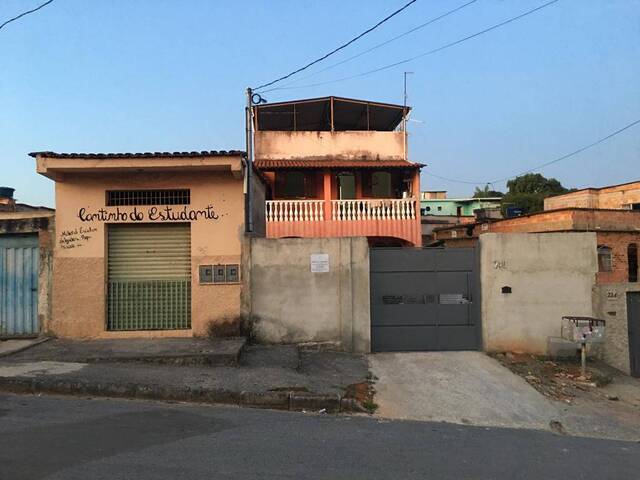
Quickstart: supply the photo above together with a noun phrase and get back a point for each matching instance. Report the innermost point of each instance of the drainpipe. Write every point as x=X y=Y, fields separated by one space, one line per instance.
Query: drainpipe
x=249 y=164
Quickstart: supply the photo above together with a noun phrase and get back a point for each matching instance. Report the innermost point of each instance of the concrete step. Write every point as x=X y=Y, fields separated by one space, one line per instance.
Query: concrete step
x=174 y=351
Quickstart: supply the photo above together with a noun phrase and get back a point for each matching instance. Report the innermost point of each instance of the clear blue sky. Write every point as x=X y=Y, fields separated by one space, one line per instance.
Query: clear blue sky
x=158 y=75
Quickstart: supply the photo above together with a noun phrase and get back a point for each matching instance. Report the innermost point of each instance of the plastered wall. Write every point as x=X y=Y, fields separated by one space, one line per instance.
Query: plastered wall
x=287 y=302
x=610 y=304
x=79 y=267
x=549 y=275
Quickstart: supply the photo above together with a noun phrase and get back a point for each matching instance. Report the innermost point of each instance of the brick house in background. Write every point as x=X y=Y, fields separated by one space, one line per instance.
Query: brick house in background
x=338 y=167
x=438 y=211
x=618 y=234
x=625 y=196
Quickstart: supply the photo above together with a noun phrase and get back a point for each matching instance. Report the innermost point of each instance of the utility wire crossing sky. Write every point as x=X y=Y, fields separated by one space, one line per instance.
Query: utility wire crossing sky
x=539 y=78
x=416 y=57
x=339 y=48
x=24 y=14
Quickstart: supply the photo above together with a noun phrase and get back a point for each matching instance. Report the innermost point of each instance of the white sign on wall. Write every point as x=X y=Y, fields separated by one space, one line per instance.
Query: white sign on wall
x=319 y=262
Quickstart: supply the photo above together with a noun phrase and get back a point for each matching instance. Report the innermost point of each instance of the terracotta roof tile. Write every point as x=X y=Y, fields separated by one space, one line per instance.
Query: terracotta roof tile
x=266 y=164
x=204 y=153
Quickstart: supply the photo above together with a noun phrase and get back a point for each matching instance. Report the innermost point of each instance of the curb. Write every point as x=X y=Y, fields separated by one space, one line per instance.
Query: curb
x=291 y=401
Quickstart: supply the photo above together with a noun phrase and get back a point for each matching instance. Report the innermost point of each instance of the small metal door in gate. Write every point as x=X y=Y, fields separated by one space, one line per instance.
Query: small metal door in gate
x=19 y=260
x=424 y=299
x=633 y=322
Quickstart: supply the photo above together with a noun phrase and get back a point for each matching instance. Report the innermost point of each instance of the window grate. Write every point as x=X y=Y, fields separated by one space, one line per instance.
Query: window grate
x=117 y=198
x=605 y=259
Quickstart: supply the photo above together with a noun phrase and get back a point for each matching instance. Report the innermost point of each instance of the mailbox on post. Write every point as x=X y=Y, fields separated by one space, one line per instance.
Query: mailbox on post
x=583 y=330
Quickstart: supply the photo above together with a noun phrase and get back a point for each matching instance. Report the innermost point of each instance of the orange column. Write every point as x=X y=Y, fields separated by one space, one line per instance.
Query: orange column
x=327 y=195
x=415 y=187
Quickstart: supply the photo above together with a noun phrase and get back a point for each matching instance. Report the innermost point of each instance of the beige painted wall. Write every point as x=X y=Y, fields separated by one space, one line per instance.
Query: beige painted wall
x=550 y=274
x=334 y=145
x=288 y=303
x=80 y=272
x=610 y=304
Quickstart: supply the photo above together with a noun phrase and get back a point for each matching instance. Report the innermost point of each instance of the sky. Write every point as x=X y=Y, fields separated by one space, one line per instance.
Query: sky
x=166 y=75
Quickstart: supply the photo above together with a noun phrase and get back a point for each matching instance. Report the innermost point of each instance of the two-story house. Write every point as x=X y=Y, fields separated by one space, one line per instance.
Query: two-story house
x=338 y=167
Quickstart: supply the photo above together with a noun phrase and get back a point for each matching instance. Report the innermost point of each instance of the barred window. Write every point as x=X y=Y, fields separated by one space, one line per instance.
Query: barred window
x=632 y=260
x=605 y=262
x=116 y=198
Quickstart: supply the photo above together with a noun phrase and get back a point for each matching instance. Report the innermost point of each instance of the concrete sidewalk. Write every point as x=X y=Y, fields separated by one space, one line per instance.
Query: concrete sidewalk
x=277 y=377
x=177 y=351
x=13 y=346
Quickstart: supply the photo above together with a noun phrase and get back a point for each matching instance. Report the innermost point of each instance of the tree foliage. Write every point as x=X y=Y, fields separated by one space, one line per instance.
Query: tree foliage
x=529 y=191
x=486 y=192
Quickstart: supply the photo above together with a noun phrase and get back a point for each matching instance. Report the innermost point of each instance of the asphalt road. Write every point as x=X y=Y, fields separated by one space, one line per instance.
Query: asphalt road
x=68 y=438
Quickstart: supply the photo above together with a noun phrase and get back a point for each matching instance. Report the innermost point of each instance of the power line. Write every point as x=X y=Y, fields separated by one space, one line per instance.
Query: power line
x=454 y=180
x=575 y=152
x=375 y=47
x=25 y=13
x=542 y=165
x=339 y=48
x=430 y=52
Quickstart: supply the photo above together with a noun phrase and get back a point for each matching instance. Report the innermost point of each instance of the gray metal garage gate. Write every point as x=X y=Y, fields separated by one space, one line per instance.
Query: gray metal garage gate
x=424 y=299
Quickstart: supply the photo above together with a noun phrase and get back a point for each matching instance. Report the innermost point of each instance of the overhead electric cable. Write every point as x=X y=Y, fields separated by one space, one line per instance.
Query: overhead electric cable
x=25 y=13
x=542 y=165
x=569 y=155
x=430 y=52
x=375 y=47
x=338 y=48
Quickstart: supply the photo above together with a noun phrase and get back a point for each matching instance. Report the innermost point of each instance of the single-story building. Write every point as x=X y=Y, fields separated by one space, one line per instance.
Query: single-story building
x=148 y=244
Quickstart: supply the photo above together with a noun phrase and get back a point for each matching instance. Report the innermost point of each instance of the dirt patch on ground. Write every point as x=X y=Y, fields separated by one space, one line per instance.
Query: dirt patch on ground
x=558 y=379
x=363 y=393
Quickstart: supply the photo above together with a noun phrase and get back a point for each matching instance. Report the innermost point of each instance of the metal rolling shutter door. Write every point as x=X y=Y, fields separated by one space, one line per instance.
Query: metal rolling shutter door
x=149 y=277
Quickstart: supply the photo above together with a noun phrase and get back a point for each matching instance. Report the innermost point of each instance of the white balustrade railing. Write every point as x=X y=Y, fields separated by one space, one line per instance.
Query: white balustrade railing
x=374 y=209
x=341 y=210
x=295 y=210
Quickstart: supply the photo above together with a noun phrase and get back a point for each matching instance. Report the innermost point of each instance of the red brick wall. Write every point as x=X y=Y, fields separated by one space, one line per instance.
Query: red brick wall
x=616 y=197
x=618 y=242
x=541 y=222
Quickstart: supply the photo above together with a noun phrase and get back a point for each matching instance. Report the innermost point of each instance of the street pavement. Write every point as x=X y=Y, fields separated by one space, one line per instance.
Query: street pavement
x=72 y=438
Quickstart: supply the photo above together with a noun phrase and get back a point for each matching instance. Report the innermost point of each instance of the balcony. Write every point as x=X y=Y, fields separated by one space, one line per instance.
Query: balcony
x=391 y=218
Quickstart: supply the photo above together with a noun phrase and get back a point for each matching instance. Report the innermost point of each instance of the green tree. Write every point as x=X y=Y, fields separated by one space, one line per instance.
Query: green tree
x=529 y=191
x=486 y=192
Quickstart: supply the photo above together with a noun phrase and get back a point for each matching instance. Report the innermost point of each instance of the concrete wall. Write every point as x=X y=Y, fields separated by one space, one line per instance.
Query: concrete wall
x=44 y=226
x=334 y=145
x=285 y=302
x=550 y=275
x=610 y=304
x=79 y=272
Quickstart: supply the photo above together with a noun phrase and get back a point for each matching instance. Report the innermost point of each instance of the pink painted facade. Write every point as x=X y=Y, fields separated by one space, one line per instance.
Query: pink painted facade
x=338 y=168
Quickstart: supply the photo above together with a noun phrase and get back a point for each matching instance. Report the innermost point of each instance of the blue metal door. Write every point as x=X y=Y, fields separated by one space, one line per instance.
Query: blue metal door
x=19 y=258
